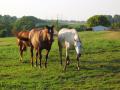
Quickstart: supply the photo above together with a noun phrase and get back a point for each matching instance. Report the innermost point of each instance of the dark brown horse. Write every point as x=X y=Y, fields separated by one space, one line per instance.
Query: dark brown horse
x=23 y=42
x=41 y=39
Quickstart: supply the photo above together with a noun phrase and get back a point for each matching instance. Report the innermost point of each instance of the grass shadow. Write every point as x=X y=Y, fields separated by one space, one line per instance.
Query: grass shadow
x=112 y=66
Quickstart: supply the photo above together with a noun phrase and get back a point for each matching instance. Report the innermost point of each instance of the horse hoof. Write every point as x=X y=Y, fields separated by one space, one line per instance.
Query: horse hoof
x=20 y=61
x=35 y=65
x=68 y=62
x=64 y=69
x=45 y=66
x=40 y=66
x=78 y=68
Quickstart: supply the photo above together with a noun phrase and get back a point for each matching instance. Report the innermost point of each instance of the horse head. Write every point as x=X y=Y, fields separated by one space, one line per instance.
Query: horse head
x=78 y=45
x=50 y=33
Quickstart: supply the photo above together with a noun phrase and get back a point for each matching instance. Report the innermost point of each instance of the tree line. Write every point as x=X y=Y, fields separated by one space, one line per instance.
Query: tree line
x=10 y=24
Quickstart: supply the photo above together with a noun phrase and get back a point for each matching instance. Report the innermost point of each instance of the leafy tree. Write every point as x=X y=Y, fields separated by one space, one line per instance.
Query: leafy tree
x=110 y=18
x=6 y=25
x=116 y=18
x=116 y=25
x=25 y=23
x=3 y=33
x=98 y=20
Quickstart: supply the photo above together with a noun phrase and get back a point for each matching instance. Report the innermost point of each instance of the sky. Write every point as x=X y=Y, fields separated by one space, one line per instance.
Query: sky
x=62 y=9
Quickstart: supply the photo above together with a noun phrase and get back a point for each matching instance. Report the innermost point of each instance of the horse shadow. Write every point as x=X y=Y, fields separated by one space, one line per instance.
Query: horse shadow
x=112 y=66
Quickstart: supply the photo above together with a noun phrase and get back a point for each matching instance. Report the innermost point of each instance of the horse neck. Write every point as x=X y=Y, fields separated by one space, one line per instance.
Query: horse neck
x=76 y=36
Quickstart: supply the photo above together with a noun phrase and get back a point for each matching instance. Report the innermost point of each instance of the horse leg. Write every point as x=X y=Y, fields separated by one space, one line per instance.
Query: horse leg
x=36 y=56
x=66 y=63
x=60 y=51
x=47 y=52
x=31 y=50
x=67 y=58
x=78 y=66
x=40 y=57
x=21 y=53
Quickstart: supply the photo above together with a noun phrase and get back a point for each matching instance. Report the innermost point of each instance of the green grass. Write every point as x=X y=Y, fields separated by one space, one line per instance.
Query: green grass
x=99 y=66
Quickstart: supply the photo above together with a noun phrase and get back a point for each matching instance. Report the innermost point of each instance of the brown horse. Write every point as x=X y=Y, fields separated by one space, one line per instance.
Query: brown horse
x=41 y=39
x=23 y=42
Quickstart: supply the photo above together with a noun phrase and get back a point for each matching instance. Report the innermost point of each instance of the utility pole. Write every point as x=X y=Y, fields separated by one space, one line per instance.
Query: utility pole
x=57 y=23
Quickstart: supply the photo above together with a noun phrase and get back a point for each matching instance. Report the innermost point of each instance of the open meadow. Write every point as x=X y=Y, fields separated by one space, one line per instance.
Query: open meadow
x=99 y=66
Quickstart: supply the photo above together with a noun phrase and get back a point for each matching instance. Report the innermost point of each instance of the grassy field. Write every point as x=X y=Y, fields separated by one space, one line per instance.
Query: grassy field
x=99 y=66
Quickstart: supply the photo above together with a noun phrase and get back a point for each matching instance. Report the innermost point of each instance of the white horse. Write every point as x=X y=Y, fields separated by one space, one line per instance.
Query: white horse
x=69 y=38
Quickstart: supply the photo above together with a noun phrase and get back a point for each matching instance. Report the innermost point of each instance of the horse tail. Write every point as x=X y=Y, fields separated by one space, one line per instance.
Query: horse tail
x=23 y=38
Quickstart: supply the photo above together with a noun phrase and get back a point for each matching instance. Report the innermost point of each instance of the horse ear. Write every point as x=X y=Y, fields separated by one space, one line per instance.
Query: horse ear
x=46 y=26
x=52 y=26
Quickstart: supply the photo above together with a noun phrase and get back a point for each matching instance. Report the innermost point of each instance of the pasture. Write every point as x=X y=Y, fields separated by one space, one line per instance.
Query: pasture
x=99 y=66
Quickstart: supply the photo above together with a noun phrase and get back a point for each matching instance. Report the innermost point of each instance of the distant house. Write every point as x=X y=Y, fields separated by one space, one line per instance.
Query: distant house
x=100 y=28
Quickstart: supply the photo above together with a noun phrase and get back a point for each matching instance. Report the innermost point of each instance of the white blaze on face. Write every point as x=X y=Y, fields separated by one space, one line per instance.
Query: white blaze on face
x=50 y=30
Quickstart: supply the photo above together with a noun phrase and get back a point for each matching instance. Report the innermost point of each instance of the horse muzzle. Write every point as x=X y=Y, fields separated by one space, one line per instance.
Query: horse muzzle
x=78 y=55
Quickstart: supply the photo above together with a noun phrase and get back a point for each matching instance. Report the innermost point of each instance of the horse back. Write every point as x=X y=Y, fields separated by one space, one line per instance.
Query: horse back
x=23 y=35
x=66 y=34
x=66 y=37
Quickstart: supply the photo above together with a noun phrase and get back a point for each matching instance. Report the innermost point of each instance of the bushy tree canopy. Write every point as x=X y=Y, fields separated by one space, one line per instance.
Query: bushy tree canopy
x=98 y=20
x=6 y=25
x=25 y=23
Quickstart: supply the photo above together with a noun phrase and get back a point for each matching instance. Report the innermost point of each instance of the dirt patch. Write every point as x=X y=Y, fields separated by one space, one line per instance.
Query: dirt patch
x=112 y=35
